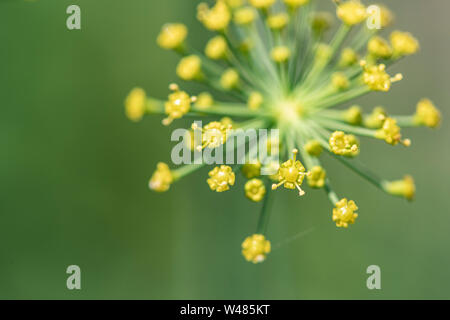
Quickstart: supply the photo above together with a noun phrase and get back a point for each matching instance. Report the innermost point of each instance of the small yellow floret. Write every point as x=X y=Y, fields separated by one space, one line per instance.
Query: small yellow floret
x=351 y=12
x=280 y=54
x=403 y=43
x=402 y=188
x=349 y=57
x=216 y=18
x=340 y=81
x=278 y=21
x=204 y=100
x=255 y=100
x=344 y=213
x=376 y=77
x=234 y=3
x=262 y=4
x=255 y=190
x=353 y=115
x=229 y=79
x=386 y=16
x=295 y=3
x=161 y=179
x=251 y=170
x=344 y=144
x=379 y=48
x=390 y=132
x=321 y=22
x=314 y=148
x=189 y=68
x=255 y=248
x=178 y=104
x=427 y=114
x=214 y=134
x=135 y=104
x=244 y=16
x=376 y=119
x=172 y=36
x=221 y=178
x=291 y=174
x=323 y=52
x=317 y=177
x=216 y=48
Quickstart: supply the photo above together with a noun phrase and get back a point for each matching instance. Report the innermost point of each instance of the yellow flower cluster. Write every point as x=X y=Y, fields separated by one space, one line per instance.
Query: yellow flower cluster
x=256 y=248
x=273 y=65
x=344 y=144
x=344 y=213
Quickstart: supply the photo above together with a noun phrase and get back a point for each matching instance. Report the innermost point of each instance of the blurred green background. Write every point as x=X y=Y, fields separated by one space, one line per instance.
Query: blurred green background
x=74 y=174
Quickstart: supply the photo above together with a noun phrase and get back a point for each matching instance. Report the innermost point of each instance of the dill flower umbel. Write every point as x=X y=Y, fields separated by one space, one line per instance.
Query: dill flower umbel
x=271 y=62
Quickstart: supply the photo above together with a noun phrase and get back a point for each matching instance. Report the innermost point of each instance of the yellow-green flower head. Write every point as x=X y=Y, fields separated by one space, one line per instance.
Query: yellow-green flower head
x=314 y=148
x=255 y=190
x=280 y=54
x=189 y=68
x=227 y=121
x=262 y=4
x=273 y=166
x=178 y=104
x=353 y=115
x=161 y=179
x=402 y=188
x=204 y=100
x=244 y=16
x=344 y=213
x=321 y=22
x=214 y=134
x=291 y=174
x=246 y=45
x=234 y=3
x=221 y=178
x=317 y=177
x=390 y=132
x=403 y=43
x=376 y=119
x=349 y=57
x=255 y=100
x=351 y=12
x=376 y=77
x=379 y=48
x=172 y=36
x=135 y=104
x=427 y=114
x=344 y=144
x=216 y=18
x=295 y=3
x=386 y=15
x=340 y=81
x=216 y=48
x=251 y=170
x=229 y=79
x=323 y=51
x=255 y=248
x=278 y=21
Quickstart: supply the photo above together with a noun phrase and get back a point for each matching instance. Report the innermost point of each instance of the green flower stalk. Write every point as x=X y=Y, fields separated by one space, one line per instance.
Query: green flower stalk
x=270 y=58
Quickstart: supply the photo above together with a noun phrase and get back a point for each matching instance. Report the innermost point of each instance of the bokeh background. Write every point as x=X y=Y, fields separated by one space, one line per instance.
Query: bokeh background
x=74 y=173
